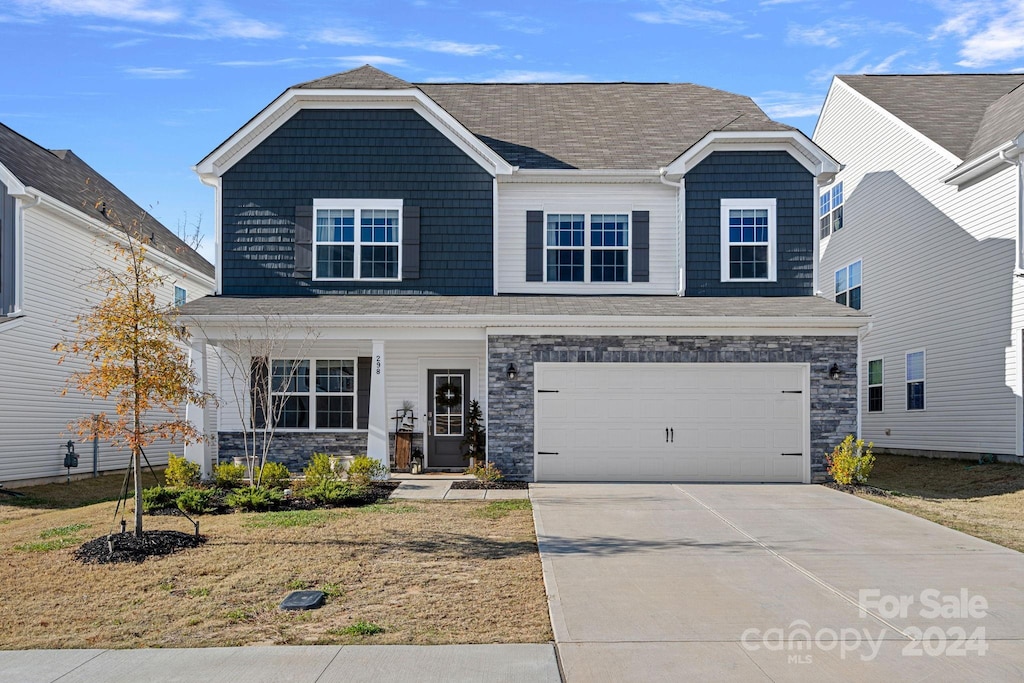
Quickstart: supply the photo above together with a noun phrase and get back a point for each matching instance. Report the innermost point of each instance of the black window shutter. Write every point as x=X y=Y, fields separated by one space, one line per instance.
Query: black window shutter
x=641 y=248
x=259 y=390
x=410 y=242
x=303 y=242
x=534 y=246
x=363 y=392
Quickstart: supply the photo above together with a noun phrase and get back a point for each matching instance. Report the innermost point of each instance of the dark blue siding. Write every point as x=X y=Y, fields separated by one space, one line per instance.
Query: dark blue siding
x=373 y=154
x=750 y=175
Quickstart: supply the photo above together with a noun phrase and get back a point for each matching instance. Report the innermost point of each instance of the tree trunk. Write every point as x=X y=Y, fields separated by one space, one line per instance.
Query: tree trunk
x=137 y=463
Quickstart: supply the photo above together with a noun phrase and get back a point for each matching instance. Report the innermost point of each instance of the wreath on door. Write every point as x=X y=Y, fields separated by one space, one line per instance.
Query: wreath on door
x=448 y=395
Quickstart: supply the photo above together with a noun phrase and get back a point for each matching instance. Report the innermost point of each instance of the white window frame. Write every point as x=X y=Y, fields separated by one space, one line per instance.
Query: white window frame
x=184 y=295
x=923 y=380
x=731 y=204
x=588 y=246
x=312 y=394
x=829 y=195
x=880 y=385
x=358 y=206
x=860 y=285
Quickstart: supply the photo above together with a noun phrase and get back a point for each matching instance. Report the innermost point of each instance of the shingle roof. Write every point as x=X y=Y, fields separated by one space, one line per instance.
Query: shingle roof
x=581 y=125
x=957 y=111
x=386 y=306
x=64 y=176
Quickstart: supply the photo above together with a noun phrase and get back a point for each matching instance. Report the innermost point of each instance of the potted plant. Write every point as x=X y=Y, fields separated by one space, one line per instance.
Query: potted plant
x=475 y=440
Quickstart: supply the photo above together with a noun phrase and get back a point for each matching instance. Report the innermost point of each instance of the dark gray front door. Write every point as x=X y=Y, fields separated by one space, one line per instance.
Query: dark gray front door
x=446 y=422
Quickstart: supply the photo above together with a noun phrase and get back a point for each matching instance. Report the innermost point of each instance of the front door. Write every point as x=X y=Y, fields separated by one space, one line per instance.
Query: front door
x=446 y=421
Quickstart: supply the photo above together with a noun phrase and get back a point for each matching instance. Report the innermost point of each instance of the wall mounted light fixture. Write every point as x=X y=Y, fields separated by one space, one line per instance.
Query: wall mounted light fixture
x=835 y=372
x=511 y=373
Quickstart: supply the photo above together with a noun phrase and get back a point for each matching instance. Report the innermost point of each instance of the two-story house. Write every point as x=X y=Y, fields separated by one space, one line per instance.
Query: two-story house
x=58 y=221
x=622 y=274
x=922 y=229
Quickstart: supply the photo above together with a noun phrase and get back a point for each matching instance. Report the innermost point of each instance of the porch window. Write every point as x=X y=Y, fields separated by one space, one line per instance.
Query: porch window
x=357 y=239
x=328 y=402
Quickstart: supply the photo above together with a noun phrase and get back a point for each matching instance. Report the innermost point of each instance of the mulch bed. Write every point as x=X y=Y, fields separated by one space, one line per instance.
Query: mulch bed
x=129 y=548
x=473 y=485
x=859 y=488
x=376 y=492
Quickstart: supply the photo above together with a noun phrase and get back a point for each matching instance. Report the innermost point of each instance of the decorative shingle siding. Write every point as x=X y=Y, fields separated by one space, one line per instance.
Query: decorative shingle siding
x=510 y=402
x=750 y=175
x=357 y=154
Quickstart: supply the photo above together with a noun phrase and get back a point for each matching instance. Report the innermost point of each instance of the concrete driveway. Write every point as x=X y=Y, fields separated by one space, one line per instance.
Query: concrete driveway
x=770 y=582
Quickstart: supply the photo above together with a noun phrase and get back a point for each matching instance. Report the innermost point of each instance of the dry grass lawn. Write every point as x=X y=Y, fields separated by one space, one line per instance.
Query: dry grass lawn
x=986 y=501
x=425 y=572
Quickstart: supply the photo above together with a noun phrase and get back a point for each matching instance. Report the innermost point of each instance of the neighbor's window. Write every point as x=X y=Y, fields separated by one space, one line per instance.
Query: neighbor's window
x=326 y=403
x=875 y=376
x=848 y=285
x=357 y=240
x=575 y=254
x=830 y=210
x=180 y=296
x=915 y=380
x=748 y=240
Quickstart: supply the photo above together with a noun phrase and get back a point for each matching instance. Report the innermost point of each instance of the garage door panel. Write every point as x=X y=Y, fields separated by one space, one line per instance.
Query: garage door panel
x=729 y=422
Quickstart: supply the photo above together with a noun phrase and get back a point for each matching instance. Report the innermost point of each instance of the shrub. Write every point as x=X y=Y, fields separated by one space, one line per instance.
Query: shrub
x=333 y=492
x=319 y=470
x=364 y=469
x=181 y=473
x=253 y=500
x=195 y=501
x=851 y=461
x=487 y=473
x=273 y=475
x=159 y=498
x=228 y=475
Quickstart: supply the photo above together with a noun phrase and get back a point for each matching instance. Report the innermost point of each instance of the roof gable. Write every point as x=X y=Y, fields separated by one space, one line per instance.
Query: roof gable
x=365 y=77
x=64 y=176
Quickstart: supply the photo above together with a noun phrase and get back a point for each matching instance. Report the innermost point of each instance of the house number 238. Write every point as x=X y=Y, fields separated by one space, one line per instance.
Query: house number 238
x=378 y=361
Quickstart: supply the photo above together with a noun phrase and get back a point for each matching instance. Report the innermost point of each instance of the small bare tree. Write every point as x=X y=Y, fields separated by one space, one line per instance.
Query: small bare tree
x=191 y=233
x=257 y=358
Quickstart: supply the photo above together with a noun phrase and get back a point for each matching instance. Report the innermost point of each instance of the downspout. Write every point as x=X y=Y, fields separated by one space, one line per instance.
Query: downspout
x=862 y=334
x=680 y=227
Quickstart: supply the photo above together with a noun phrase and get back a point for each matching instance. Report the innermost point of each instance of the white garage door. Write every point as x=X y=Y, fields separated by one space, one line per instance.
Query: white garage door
x=672 y=422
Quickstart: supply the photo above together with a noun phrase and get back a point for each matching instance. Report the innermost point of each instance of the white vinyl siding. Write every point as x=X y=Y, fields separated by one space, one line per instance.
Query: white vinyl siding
x=518 y=197
x=941 y=277
x=59 y=265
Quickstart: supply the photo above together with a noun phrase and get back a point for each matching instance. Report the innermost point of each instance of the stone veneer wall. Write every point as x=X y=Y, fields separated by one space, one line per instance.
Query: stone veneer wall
x=295 y=449
x=510 y=403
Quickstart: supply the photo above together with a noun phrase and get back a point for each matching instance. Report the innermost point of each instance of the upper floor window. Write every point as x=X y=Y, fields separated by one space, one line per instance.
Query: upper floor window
x=180 y=296
x=326 y=402
x=831 y=210
x=748 y=240
x=582 y=250
x=357 y=240
x=848 y=285
x=876 y=376
x=915 y=380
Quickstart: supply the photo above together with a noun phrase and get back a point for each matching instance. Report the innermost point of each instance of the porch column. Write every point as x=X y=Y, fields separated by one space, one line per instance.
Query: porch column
x=199 y=452
x=377 y=438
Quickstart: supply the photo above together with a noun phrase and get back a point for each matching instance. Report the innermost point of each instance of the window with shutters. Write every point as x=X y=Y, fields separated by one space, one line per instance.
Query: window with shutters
x=313 y=393
x=748 y=240
x=357 y=239
x=581 y=247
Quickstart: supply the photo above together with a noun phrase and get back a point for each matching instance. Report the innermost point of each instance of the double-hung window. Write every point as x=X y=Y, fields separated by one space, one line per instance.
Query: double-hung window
x=748 y=240
x=583 y=247
x=876 y=376
x=848 y=285
x=915 y=380
x=830 y=210
x=357 y=240
x=327 y=402
x=180 y=296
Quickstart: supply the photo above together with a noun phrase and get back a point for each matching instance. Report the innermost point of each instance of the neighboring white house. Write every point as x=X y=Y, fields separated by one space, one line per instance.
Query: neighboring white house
x=922 y=229
x=58 y=221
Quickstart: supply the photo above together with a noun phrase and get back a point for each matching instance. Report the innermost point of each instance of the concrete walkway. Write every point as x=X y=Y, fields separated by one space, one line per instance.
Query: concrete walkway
x=668 y=582
x=287 y=664
x=429 y=488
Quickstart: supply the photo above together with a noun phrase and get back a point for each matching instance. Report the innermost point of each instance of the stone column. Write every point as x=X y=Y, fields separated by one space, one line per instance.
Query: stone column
x=377 y=438
x=198 y=452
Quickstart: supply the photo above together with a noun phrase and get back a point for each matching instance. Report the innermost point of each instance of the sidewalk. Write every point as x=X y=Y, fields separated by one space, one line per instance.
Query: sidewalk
x=282 y=664
x=434 y=487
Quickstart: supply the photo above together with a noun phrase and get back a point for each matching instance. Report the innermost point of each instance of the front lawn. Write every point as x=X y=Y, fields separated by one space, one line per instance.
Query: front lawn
x=981 y=500
x=395 y=572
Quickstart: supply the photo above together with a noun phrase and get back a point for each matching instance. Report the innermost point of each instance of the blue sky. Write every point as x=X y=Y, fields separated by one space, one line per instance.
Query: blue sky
x=143 y=89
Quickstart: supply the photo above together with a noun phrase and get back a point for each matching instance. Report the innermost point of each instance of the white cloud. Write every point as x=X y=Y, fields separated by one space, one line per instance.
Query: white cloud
x=340 y=36
x=808 y=35
x=375 y=60
x=515 y=22
x=448 y=47
x=831 y=33
x=789 y=105
x=122 y=10
x=686 y=12
x=537 y=77
x=220 y=22
x=243 y=63
x=856 y=64
x=991 y=32
x=156 y=72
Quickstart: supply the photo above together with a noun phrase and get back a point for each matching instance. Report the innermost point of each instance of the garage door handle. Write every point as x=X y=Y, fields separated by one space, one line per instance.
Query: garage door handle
x=673 y=431
x=547 y=391
x=547 y=452
x=798 y=455
x=791 y=392
x=666 y=434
